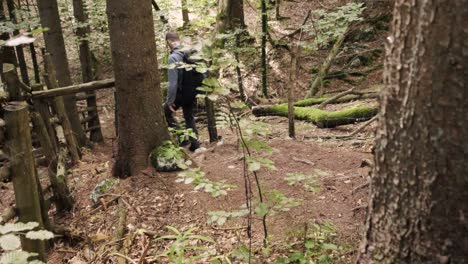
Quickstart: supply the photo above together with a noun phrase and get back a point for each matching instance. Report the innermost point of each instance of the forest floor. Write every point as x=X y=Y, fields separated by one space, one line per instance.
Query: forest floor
x=154 y=200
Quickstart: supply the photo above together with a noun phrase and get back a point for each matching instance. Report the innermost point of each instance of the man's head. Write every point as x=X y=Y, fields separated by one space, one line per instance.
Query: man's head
x=172 y=39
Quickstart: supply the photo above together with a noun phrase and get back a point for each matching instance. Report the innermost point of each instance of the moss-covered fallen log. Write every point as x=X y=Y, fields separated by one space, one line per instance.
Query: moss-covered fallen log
x=348 y=98
x=320 y=118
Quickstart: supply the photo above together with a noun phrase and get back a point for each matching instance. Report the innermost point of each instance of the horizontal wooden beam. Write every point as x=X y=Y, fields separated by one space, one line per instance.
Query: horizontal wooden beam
x=74 y=89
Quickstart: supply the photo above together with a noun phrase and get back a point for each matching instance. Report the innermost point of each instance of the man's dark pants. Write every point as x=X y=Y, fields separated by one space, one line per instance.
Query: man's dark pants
x=189 y=117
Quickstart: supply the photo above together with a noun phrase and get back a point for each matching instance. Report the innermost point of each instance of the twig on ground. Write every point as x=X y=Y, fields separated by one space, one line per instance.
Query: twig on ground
x=308 y=162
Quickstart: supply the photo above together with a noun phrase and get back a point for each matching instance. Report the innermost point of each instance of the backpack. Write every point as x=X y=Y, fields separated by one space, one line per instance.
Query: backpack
x=192 y=79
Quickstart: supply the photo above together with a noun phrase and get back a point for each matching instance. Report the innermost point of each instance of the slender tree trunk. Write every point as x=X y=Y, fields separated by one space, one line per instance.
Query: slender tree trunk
x=19 y=49
x=86 y=67
x=32 y=49
x=7 y=54
x=277 y=9
x=157 y=9
x=264 y=54
x=141 y=122
x=55 y=45
x=185 y=13
x=418 y=206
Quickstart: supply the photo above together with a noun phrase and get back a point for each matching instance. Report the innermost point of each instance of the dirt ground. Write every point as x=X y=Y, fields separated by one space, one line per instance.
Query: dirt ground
x=154 y=200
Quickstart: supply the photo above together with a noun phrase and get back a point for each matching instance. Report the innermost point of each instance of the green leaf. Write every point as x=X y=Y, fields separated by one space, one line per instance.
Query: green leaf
x=40 y=235
x=16 y=257
x=17 y=227
x=329 y=246
x=9 y=242
x=262 y=209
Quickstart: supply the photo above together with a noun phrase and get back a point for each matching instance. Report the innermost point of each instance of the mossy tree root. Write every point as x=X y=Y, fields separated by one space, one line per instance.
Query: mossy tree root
x=320 y=118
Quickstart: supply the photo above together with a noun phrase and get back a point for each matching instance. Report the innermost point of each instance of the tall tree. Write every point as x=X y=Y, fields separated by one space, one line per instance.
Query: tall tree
x=141 y=122
x=264 y=42
x=87 y=66
x=418 y=206
x=19 y=48
x=185 y=12
x=55 y=45
x=230 y=15
x=7 y=54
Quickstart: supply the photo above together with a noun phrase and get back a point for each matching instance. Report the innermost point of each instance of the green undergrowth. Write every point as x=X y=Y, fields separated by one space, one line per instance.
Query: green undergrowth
x=168 y=157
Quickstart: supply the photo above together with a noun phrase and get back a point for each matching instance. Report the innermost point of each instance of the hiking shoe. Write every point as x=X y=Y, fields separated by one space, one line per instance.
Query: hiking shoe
x=194 y=146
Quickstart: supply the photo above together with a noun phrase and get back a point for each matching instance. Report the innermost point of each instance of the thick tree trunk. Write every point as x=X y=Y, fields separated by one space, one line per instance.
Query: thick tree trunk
x=418 y=206
x=55 y=45
x=230 y=15
x=86 y=66
x=141 y=123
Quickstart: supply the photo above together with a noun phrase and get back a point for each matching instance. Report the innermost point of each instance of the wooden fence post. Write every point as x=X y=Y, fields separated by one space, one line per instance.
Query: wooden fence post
x=42 y=107
x=51 y=83
x=25 y=181
x=62 y=197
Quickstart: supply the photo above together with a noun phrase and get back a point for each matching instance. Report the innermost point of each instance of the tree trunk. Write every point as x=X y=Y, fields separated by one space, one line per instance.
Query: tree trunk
x=141 y=123
x=7 y=54
x=55 y=45
x=230 y=15
x=185 y=13
x=418 y=203
x=19 y=49
x=25 y=181
x=264 y=54
x=86 y=66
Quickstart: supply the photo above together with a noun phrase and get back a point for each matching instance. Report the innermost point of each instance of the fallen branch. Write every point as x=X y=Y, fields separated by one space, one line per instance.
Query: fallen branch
x=355 y=132
x=121 y=225
x=320 y=118
x=334 y=98
x=344 y=99
x=314 y=88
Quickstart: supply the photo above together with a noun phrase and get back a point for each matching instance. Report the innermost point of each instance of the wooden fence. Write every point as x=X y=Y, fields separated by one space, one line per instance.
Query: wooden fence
x=35 y=131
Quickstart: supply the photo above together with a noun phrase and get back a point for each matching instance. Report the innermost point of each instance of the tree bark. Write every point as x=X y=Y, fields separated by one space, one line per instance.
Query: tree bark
x=86 y=66
x=7 y=54
x=26 y=185
x=55 y=45
x=230 y=15
x=264 y=54
x=141 y=123
x=185 y=12
x=19 y=49
x=418 y=203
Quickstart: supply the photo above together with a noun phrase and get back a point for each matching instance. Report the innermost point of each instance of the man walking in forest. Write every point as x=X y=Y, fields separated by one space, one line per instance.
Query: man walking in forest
x=182 y=87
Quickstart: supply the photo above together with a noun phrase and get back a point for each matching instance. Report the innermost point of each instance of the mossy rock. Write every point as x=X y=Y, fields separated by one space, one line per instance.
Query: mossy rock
x=168 y=157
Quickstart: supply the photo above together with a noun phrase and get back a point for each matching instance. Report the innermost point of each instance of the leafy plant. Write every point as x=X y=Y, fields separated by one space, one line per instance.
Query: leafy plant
x=168 y=157
x=198 y=178
x=184 y=243
x=220 y=217
x=275 y=202
x=10 y=242
x=183 y=135
x=319 y=246
x=308 y=182
x=330 y=25
x=101 y=188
